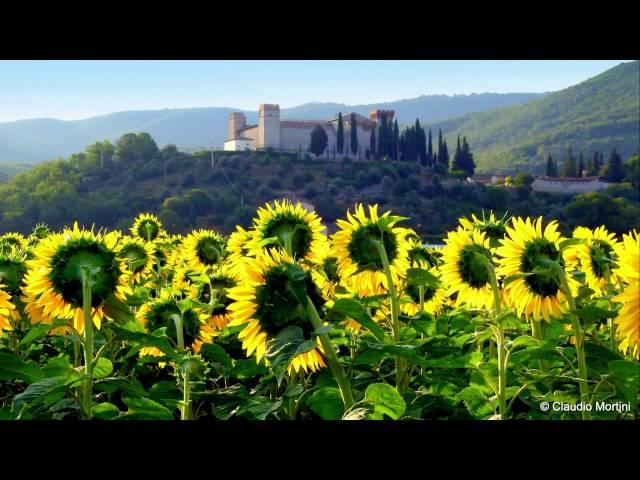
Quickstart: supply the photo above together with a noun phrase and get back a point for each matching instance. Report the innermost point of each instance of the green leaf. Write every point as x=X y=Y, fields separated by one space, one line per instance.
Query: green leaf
x=419 y=276
x=524 y=341
x=118 y=310
x=47 y=391
x=425 y=324
x=477 y=404
x=570 y=242
x=261 y=409
x=141 y=408
x=215 y=353
x=146 y=339
x=591 y=313
x=13 y=368
x=105 y=411
x=626 y=376
x=284 y=346
x=354 y=309
x=327 y=403
x=103 y=368
x=386 y=401
x=246 y=369
x=34 y=334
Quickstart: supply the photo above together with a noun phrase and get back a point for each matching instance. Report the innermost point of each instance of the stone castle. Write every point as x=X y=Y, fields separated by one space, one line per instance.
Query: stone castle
x=295 y=135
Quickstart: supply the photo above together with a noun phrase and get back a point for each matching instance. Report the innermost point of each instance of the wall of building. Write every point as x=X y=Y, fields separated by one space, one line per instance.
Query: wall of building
x=574 y=187
x=237 y=145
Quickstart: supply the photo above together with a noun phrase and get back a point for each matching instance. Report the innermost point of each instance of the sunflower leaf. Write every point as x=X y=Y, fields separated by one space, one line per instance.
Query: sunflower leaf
x=385 y=400
x=591 y=313
x=327 y=403
x=13 y=368
x=419 y=276
x=354 y=309
x=570 y=242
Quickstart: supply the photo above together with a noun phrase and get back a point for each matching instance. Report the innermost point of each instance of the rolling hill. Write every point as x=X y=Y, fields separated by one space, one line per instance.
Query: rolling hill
x=36 y=140
x=598 y=114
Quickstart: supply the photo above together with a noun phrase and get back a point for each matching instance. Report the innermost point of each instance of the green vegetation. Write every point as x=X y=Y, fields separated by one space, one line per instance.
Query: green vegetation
x=599 y=114
x=224 y=189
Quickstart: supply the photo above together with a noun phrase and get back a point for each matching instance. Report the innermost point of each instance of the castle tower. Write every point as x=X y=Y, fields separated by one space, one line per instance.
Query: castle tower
x=237 y=121
x=269 y=126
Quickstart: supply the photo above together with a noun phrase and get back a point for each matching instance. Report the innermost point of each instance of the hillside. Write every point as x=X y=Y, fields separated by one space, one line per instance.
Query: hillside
x=36 y=140
x=196 y=194
x=596 y=115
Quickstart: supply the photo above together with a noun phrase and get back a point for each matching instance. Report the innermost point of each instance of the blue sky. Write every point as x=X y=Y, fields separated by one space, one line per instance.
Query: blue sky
x=71 y=90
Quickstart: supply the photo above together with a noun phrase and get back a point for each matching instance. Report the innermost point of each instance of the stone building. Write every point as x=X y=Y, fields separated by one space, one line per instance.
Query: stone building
x=293 y=136
x=568 y=184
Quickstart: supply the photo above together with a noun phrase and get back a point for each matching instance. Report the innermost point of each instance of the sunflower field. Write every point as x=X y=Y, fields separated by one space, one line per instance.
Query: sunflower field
x=511 y=319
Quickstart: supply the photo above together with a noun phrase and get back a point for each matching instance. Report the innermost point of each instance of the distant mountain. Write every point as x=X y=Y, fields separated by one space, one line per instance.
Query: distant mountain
x=36 y=140
x=598 y=114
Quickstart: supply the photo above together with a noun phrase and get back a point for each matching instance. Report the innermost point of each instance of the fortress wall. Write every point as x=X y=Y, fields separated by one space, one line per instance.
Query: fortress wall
x=250 y=133
x=291 y=137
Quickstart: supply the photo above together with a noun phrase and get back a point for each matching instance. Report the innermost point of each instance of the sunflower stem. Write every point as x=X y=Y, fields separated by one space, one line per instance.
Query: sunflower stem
x=332 y=358
x=500 y=345
x=293 y=381
x=395 y=314
x=87 y=344
x=185 y=411
x=421 y=296
x=582 y=361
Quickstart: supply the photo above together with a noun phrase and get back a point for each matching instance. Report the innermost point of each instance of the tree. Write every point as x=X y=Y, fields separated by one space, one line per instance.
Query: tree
x=443 y=155
x=429 y=151
x=395 y=142
x=552 y=168
x=633 y=171
x=580 y=165
x=382 y=137
x=421 y=144
x=468 y=164
x=340 y=135
x=614 y=171
x=569 y=168
x=354 y=135
x=372 y=143
x=131 y=147
x=457 y=157
x=319 y=141
x=439 y=159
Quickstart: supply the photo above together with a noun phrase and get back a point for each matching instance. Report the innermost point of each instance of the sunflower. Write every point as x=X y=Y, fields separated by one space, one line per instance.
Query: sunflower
x=290 y=227
x=7 y=311
x=182 y=280
x=160 y=312
x=237 y=249
x=147 y=227
x=354 y=245
x=53 y=280
x=203 y=249
x=265 y=305
x=214 y=292
x=493 y=228
x=16 y=240
x=628 y=320
x=139 y=257
x=434 y=298
x=463 y=272
x=524 y=249
x=13 y=268
x=325 y=274
x=419 y=255
x=596 y=257
x=40 y=231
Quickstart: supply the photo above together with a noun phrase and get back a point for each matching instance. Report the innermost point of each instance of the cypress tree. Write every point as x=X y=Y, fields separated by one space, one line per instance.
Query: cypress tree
x=614 y=171
x=468 y=165
x=580 y=165
x=569 y=166
x=382 y=137
x=440 y=146
x=354 y=135
x=395 y=141
x=444 y=156
x=340 y=135
x=429 y=151
x=372 y=144
x=552 y=169
x=458 y=163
